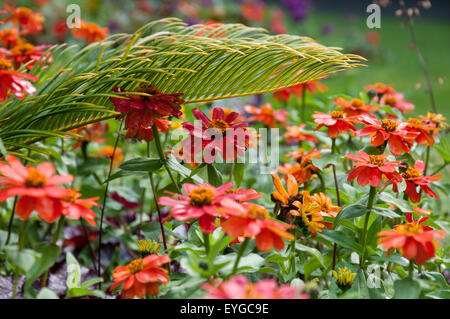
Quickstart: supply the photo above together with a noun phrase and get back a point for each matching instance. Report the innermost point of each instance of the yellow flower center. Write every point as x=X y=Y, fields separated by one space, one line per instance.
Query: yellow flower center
x=72 y=197
x=357 y=103
x=411 y=172
x=136 y=266
x=258 y=212
x=409 y=229
x=337 y=114
x=22 y=49
x=414 y=123
x=5 y=64
x=201 y=196
x=148 y=246
x=220 y=125
x=376 y=160
x=389 y=125
x=390 y=100
x=35 y=179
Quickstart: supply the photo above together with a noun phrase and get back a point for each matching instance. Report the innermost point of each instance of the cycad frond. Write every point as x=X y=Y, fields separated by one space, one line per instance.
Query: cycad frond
x=202 y=62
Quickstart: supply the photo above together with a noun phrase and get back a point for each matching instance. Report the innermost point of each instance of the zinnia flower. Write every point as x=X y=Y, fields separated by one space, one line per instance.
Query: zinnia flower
x=31 y=22
x=297 y=90
x=417 y=126
x=335 y=121
x=326 y=207
x=285 y=199
x=108 y=151
x=216 y=135
x=14 y=81
x=24 y=53
x=266 y=114
x=303 y=170
x=142 y=111
x=200 y=202
x=413 y=240
x=90 y=32
x=380 y=88
x=371 y=168
x=9 y=37
x=91 y=133
x=398 y=138
x=354 y=107
x=310 y=212
x=252 y=221
x=238 y=287
x=36 y=187
x=75 y=207
x=295 y=134
x=396 y=100
x=141 y=276
x=413 y=178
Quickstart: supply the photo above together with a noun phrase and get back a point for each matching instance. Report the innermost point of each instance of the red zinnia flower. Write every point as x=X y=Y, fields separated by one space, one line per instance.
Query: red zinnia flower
x=14 y=81
x=297 y=90
x=395 y=100
x=26 y=52
x=141 y=276
x=335 y=121
x=295 y=134
x=31 y=22
x=371 y=168
x=75 y=207
x=9 y=37
x=216 y=135
x=238 y=287
x=142 y=111
x=266 y=114
x=413 y=240
x=423 y=130
x=253 y=221
x=36 y=187
x=90 y=31
x=380 y=88
x=91 y=133
x=413 y=178
x=108 y=151
x=399 y=139
x=354 y=107
x=200 y=202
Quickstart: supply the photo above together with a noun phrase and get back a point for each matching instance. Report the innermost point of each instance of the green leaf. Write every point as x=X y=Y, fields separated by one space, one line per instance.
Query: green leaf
x=385 y=212
x=350 y=212
x=238 y=173
x=214 y=176
x=341 y=239
x=440 y=294
x=406 y=289
x=46 y=293
x=400 y=203
x=142 y=164
x=326 y=159
x=312 y=251
x=73 y=271
x=172 y=163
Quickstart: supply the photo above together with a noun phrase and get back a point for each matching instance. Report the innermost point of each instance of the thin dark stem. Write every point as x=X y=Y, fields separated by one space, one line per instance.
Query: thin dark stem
x=91 y=249
x=373 y=191
x=105 y=196
x=338 y=197
x=158 y=210
x=420 y=57
x=427 y=159
x=141 y=213
x=239 y=255
x=11 y=219
x=440 y=168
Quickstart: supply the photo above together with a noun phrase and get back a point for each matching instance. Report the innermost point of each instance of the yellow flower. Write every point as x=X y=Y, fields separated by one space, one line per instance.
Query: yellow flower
x=344 y=277
x=148 y=246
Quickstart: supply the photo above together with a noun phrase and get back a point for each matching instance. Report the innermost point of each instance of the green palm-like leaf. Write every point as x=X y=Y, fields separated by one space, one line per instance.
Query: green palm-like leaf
x=202 y=62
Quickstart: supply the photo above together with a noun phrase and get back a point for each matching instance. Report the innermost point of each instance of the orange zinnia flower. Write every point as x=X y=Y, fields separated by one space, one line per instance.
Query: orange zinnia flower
x=90 y=31
x=413 y=240
x=108 y=151
x=398 y=138
x=395 y=100
x=380 y=88
x=141 y=276
x=253 y=221
x=423 y=130
x=75 y=207
x=91 y=133
x=297 y=90
x=31 y=22
x=24 y=53
x=335 y=121
x=266 y=114
x=9 y=37
x=326 y=207
x=36 y=187
x=310 y=212
x=303 y=170
x=371 y=168
x=354 y=107
x=413 y=178
x=295 y=134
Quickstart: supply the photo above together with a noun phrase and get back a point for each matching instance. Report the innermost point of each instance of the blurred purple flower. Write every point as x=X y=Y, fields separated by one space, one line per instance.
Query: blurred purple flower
x=328 y=28
x=297 y=8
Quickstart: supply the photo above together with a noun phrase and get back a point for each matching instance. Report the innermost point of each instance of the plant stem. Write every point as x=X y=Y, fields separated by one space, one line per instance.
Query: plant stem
x=105 y=196
x=373 y=191
x=420 y=57
x=440 y=168
x=162 y=156
x=54 y=240
x=427 y=159
x=206 y=242
x=11 y=219
x=411 y=269
x=336 y=184
x=91 y=249
x=22 y=241
x=303 y=103
x=239 y=255
x=150 y=175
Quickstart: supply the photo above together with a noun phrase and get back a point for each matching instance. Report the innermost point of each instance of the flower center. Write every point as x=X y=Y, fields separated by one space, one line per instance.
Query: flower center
x=357 y=103
x=35 y=179
x=337 y=114
x=411 y=173
x=410 y=229
x=72 y=197
x=389 y=125
x=376 y=160
x=414 y=123
x=5 y=64
x=221 y=125
x=136 y=266
x=201 y=196
x=258 y=212
x=390 y=100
